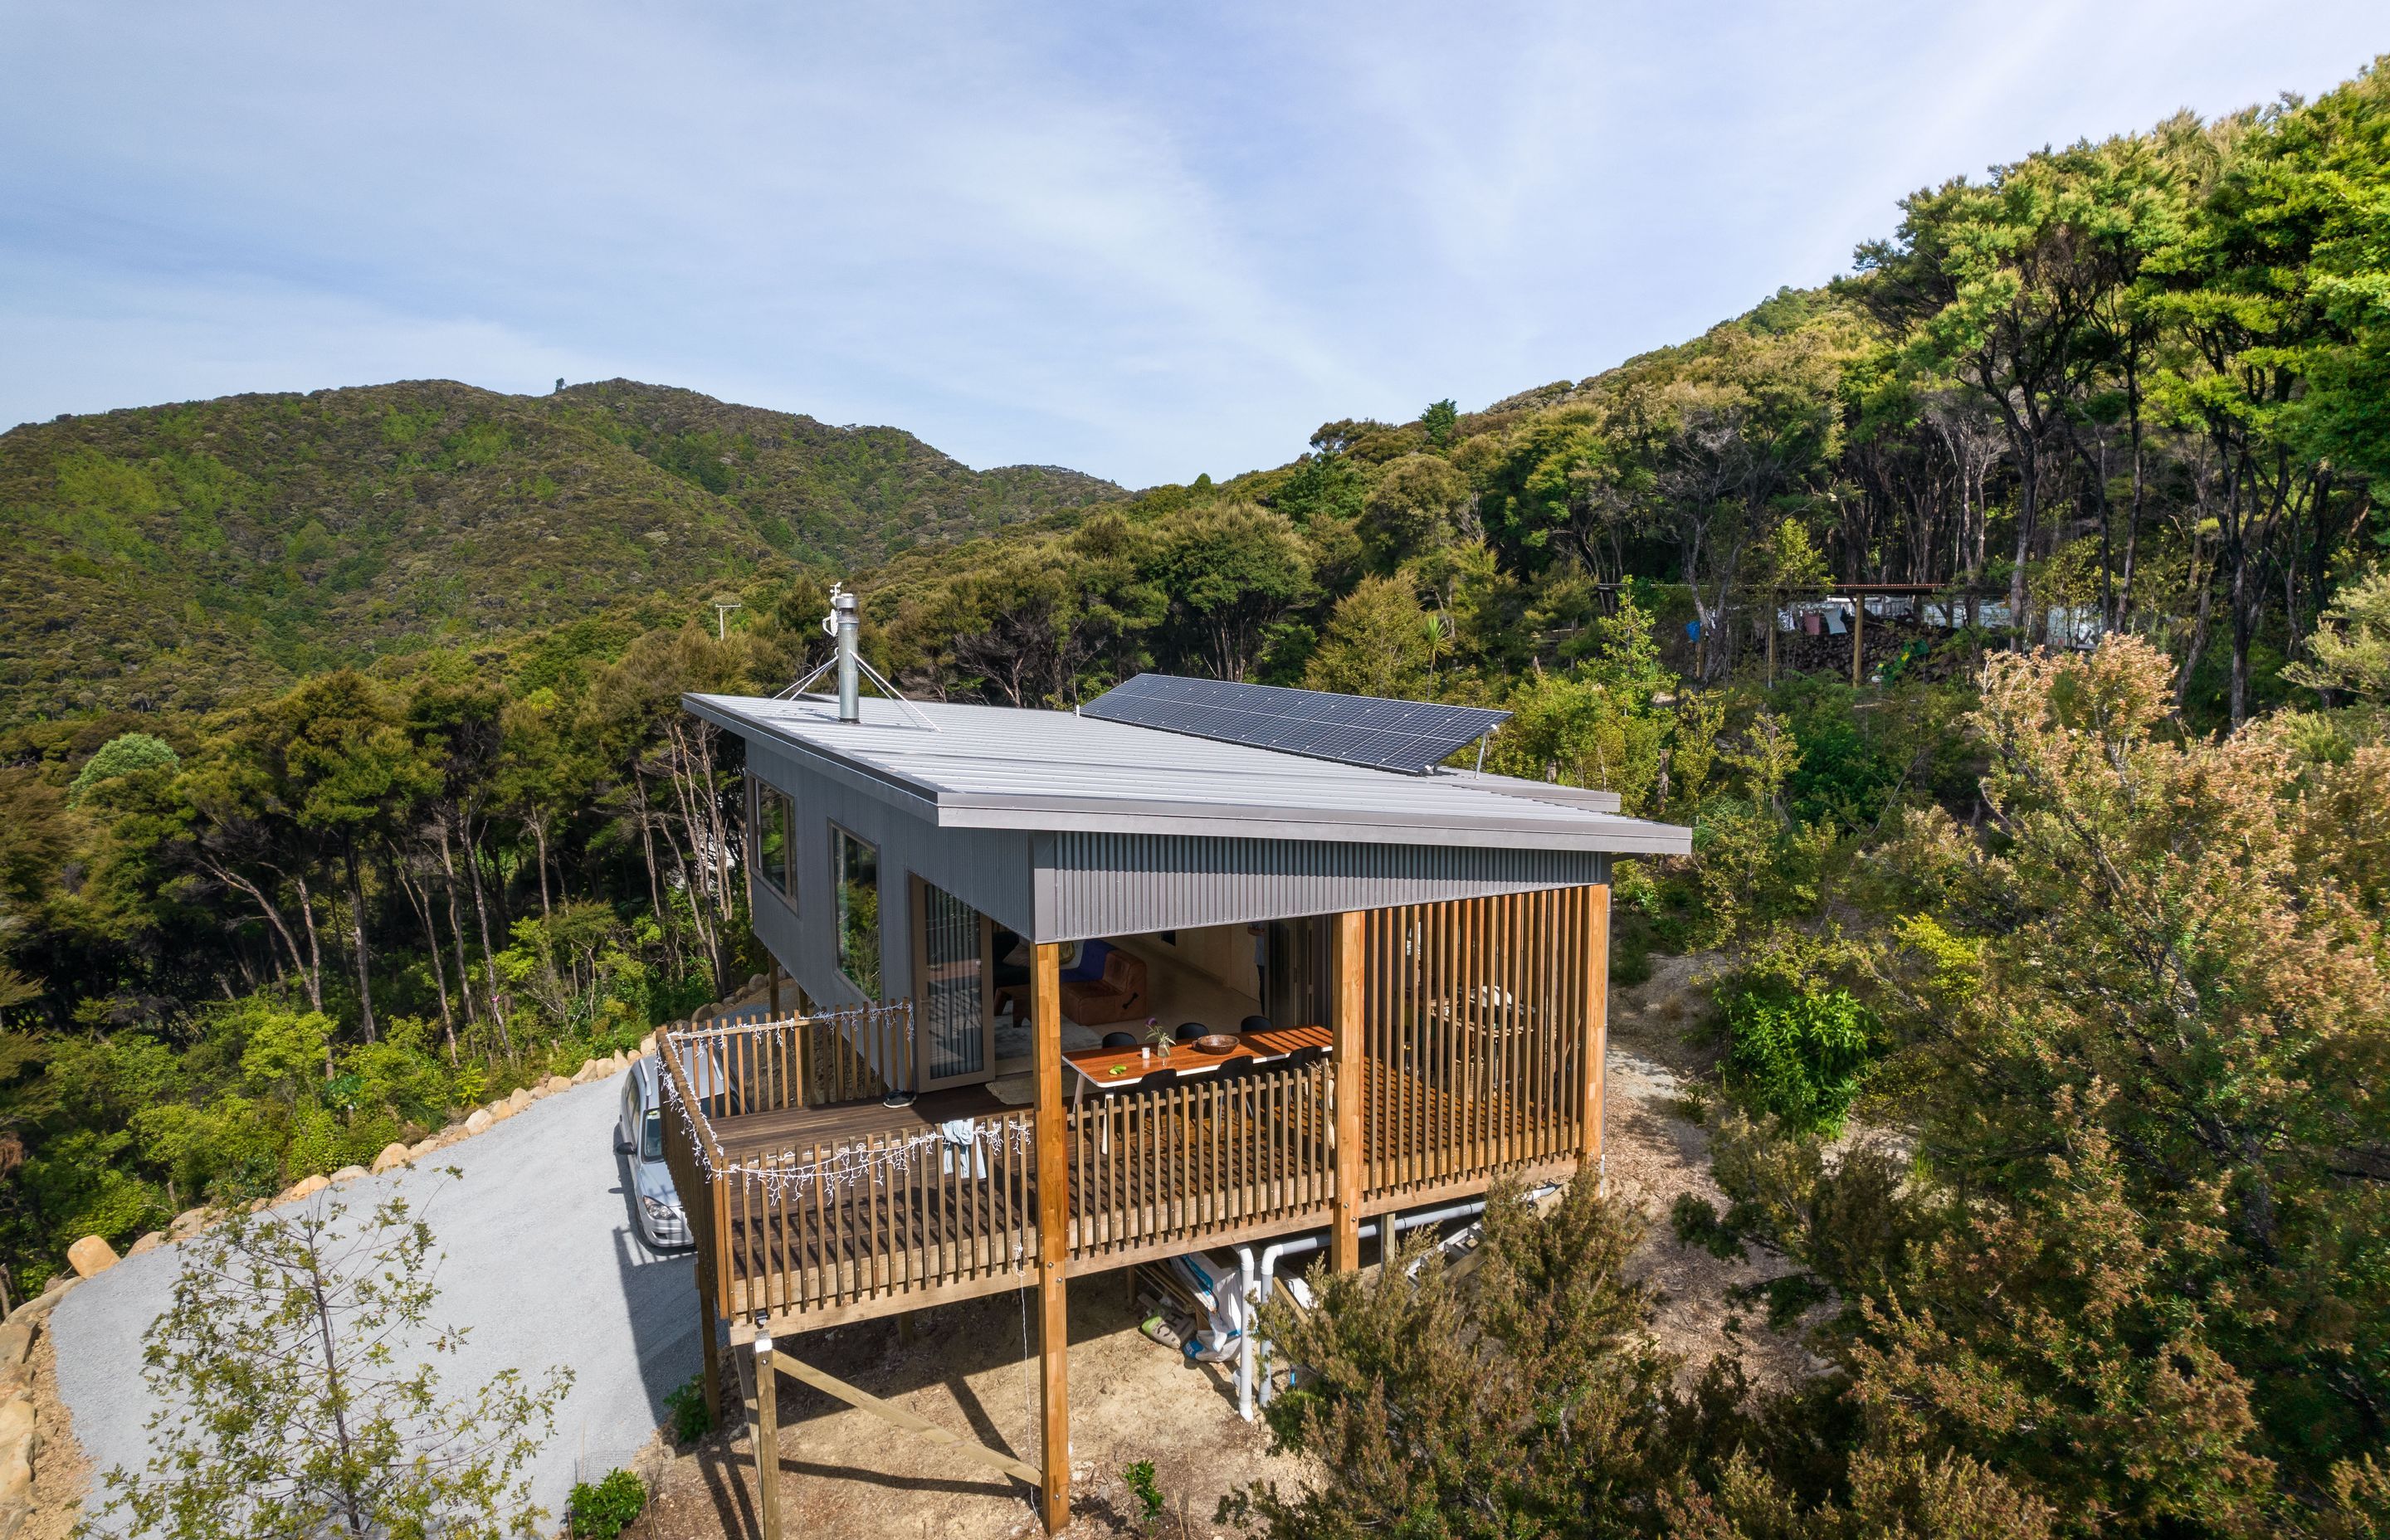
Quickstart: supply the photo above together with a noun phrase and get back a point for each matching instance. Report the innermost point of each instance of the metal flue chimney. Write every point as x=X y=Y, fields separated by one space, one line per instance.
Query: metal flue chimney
x=841 y=608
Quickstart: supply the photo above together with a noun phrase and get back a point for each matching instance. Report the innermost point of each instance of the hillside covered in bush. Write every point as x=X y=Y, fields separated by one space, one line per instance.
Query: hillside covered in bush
x=171 y=556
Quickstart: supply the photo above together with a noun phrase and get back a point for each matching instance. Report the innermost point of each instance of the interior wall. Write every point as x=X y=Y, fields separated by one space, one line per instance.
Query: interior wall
x=1223 y=954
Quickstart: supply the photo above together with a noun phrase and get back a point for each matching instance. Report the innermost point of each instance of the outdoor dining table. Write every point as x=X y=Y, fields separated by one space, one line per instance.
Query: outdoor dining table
x=1114 y=1069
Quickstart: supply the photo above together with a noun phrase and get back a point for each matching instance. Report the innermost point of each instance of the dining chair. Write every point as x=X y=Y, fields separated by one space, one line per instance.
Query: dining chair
x=1187 y=1031
x=1254 y=1024
x=1120 y=1040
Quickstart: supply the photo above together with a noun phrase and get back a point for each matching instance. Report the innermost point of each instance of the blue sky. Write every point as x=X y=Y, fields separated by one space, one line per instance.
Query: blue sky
x=1144 y=241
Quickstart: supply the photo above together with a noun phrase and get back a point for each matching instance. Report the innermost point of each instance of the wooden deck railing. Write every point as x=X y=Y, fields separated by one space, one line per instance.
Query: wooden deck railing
x=1475 y=1039
x=812 y=1227
x=766 y=1066
x=1198 y=1158
x=1473 y=1024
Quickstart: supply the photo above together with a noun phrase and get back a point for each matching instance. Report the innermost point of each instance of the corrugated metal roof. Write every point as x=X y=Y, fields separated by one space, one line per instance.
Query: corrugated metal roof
x=996 y=767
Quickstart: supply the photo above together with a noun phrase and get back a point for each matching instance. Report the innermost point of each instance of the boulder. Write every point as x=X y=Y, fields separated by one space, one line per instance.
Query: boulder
x=349 y=1174
x=521 y=1100
x=620 y=1061
x=306 y=1187
x=480 y=1122
x=594 y=1068
x=16 y=1459
x=150 y=1242
x=190 y=1222
x=554 y=1084
x=91 y=1256
x=392 y=1155
x=16 y=1341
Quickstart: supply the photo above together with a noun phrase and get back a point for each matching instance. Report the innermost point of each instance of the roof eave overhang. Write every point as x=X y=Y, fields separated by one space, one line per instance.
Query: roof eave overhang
x=1125 y=815
x=1087 y=816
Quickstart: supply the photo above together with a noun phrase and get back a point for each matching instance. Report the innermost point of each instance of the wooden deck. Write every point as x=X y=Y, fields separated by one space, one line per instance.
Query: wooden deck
x=1466 y=1048
x=854 y=1120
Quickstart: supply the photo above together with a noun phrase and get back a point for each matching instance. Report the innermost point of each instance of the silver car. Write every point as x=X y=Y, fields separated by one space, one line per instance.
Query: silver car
x=639 y=1134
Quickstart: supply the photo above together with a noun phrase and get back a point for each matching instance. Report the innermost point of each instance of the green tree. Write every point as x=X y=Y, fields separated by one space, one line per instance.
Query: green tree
x=1377 y=641
x=340 y=765
x=1527 y=1400
x=1231 y=573
x=1417 y=505
x=285 y=1408
x=1440 y=418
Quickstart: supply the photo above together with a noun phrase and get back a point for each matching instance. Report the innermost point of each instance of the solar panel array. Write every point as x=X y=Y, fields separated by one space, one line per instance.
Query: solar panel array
x=1408 y=735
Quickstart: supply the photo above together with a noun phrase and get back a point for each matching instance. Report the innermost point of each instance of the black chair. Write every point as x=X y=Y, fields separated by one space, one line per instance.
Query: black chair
x=1120 y=1040
x=1253 y=1023
x=1302 y=1059
x=1235 y=1069
x=1157 y=1080
x=1187 y=1031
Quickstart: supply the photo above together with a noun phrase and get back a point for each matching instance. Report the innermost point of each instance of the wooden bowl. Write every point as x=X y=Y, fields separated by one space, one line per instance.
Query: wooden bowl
x=1217 y=1042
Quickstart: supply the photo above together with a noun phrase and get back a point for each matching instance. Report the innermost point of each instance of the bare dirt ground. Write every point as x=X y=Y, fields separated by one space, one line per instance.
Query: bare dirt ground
x=1656 y=1153
x=844 y=1473
x=62 y=1476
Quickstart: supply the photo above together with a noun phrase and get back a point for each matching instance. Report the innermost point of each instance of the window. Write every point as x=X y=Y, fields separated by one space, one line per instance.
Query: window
x=776 y=830
x=651 y=1135
x=856 y=868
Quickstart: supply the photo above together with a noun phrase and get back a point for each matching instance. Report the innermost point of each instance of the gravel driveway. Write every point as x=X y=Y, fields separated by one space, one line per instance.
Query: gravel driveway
x=542 y=1263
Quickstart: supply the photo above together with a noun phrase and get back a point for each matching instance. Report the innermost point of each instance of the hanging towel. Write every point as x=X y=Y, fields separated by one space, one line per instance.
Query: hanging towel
x=958 y=1135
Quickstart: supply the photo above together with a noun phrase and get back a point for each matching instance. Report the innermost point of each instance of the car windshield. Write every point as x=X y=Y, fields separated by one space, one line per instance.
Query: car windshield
x=651 y=1137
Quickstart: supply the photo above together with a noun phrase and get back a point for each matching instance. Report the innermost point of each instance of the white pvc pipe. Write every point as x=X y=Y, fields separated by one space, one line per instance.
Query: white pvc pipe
x=1252 y=1361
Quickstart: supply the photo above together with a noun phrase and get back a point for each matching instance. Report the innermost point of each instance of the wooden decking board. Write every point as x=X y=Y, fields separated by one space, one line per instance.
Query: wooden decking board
x=800 y=1127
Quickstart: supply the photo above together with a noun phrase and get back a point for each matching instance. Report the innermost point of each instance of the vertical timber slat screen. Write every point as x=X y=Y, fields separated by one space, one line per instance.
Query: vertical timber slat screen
x=1475 y=1024
x=1199 y=1158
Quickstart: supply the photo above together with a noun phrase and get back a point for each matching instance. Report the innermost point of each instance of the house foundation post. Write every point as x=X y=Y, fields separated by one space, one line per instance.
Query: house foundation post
x=1345 y=1061
x=767 y=1438
x=711 y=1368
x=1053 y=1240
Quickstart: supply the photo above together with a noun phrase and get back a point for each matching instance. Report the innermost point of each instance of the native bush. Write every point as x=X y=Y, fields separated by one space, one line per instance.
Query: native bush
x=603 y=1509
x=691 y=1410
x=1800 y=1056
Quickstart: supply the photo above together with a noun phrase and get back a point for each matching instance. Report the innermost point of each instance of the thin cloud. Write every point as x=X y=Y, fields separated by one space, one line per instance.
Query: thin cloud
x=1145 y=242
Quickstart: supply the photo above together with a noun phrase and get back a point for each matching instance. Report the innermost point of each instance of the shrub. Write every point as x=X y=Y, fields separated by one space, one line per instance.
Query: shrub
x=691 y=1409
x=605 y=1510
x=1798 y=1055
x=1147 y=1492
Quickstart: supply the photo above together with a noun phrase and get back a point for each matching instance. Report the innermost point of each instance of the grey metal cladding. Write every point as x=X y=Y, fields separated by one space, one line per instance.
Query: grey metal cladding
x=1129 y=885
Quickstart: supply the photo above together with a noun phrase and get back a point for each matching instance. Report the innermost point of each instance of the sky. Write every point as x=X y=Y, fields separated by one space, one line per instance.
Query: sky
x=1143 y=240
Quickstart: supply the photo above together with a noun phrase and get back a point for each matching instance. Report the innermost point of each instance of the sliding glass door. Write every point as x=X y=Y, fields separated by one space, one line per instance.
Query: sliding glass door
x=956 y=1024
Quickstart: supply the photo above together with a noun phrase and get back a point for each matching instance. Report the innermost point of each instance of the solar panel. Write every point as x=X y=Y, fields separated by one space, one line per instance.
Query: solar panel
x=1408 y=735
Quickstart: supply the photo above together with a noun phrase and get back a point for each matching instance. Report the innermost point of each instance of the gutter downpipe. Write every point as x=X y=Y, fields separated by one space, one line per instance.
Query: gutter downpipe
x=1259 y=1286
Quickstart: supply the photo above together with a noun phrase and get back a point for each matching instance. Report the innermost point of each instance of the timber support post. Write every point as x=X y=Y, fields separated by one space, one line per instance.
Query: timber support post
x=767 y=1437
x=1597 y=1019
x=1344 y=1062
x=1053 y=1240
x=1858 y=636
x=711 y=1368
